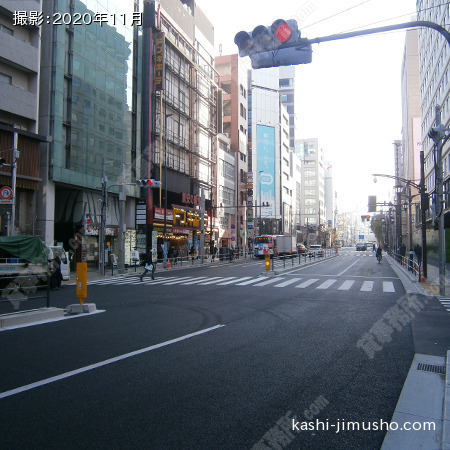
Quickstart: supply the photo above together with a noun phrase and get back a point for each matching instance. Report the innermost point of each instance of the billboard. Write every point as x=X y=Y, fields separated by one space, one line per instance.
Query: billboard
x=265 y=169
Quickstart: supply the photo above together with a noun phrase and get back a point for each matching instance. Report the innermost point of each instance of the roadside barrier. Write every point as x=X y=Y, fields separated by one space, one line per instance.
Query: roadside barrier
x=20 y=289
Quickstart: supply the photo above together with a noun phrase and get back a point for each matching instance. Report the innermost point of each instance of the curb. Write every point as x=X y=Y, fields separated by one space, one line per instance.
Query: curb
x=420 y=401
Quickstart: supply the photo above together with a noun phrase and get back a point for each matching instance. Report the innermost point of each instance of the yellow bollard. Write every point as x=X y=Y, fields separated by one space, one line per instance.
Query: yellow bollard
x=267 y=262
x=81 y=282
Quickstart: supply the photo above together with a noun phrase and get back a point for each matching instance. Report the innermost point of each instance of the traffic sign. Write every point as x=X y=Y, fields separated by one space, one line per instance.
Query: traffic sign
x=6 y=193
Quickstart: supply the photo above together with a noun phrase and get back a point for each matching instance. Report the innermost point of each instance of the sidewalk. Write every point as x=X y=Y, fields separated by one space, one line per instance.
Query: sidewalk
x=431 y=283
x=425 y=396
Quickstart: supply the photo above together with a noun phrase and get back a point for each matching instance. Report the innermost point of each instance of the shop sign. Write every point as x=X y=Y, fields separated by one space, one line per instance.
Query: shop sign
x=159 y=214
x=180 y=230
x=141 y=212
x=159 y=61
x=188 y=217
x=190 y=199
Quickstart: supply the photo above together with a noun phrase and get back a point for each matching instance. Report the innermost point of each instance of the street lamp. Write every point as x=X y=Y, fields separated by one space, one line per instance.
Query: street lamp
x=423 y=206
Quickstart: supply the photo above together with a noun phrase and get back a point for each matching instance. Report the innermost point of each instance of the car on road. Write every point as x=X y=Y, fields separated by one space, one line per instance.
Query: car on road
x=361 y=247
x=301 y=249
x=315 y=250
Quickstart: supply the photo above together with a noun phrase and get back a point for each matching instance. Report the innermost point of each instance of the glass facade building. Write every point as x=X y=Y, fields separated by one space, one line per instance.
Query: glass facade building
x=90 y=106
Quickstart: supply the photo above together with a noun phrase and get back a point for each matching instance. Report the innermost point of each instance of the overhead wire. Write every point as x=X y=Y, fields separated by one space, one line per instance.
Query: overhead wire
x=372 y=23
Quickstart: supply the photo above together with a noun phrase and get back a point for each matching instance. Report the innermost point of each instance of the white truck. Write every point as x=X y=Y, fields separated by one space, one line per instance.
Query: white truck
x=286 y=245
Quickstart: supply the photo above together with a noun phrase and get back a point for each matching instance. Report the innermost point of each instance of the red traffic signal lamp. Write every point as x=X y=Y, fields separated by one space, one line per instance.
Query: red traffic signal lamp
x=274 y=46
x=149 y=183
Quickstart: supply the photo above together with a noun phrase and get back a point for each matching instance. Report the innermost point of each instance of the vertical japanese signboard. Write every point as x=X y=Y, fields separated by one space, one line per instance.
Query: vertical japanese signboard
x=265 y=142
x=159 y=61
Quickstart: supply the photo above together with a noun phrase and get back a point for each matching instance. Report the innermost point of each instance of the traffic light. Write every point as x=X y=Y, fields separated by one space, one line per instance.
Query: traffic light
x=149 y=183
x=368 y=218
x=278 y=45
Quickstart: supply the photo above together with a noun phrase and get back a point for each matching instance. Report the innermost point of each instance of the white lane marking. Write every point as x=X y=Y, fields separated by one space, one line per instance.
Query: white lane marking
x=339 y=274
x=288 y=282
x=103 y=363
x=270 y=281
x=326 y=284
x=307 y=283
x=346 y=285
x=254 y=280
x=388 y=286
x=367 y=286
x=232 y=281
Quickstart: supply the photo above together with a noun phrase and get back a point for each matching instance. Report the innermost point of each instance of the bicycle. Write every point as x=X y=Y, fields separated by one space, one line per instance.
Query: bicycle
x=379 y=258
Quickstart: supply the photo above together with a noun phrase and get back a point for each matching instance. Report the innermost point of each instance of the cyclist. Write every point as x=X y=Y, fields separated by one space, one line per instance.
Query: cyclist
x=379 y=253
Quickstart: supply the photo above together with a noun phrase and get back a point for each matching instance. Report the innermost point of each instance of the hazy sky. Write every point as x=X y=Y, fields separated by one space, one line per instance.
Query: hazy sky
x=349 y=97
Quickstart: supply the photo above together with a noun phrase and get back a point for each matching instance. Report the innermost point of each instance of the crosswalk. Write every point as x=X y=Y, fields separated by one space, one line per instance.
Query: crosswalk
x=301 y=283
x=445 y=301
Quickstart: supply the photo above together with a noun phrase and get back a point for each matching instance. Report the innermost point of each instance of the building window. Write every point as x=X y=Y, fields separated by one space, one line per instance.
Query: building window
x=6 y=30
x=5 y=78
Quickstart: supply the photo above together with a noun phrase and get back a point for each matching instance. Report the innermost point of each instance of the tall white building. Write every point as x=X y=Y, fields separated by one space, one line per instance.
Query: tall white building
x=270 y=163
x=313 y=181
x=434 y=58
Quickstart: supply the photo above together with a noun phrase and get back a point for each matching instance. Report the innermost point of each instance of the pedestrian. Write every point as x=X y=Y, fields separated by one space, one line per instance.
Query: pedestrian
x=149 y=266
x=418 y=252
x=56 y=277
x=214 y=253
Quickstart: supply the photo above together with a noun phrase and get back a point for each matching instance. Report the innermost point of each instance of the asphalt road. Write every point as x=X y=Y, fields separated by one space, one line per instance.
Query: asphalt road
x=265 y=351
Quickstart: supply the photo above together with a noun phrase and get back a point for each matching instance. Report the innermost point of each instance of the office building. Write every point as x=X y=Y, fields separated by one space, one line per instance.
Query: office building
x=19 y=119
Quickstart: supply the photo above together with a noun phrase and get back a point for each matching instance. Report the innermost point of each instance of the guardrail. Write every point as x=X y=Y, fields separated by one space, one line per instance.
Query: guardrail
x=285 y=259
x=21 y=288
x=407 y=261
x=193 y=260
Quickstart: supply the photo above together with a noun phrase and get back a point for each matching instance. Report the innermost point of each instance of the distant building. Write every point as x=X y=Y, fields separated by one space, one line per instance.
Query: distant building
x=232 y=79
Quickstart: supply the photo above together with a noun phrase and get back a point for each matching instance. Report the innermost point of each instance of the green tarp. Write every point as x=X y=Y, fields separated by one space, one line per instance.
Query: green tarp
x=30 y=248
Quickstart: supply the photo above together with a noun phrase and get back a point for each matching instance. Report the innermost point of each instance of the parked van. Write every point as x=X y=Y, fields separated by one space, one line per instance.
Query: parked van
x=56 y=250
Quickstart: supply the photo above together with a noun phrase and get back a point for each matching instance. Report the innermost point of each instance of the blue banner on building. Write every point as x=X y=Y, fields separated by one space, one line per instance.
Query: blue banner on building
x=265 y=168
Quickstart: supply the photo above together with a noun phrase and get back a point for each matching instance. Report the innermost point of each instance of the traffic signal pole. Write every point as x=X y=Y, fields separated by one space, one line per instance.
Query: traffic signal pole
x=399 y=26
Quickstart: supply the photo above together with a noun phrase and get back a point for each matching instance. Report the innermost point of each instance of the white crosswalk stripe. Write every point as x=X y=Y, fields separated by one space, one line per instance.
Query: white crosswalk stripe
x=346 y=285
x=233 y=280
x=265 y=283
x=367 y=286
x=307 y=283
x=326 y=284
x=245 y=283
x=288 y=282
x=261 y=281
x=445 y=301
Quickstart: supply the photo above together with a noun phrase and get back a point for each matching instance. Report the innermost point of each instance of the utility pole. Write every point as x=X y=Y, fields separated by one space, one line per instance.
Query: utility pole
x=202 y=225
x=101 y=244
x=13 y=184
x=122 y=225
x=438 y=134
x=423 y=209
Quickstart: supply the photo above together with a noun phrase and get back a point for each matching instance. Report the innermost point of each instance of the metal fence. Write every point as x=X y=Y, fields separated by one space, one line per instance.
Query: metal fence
x=19 y=290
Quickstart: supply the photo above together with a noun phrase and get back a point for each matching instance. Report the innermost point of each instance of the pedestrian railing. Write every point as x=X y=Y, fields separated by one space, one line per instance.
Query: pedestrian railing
x=407 y=261
x=19 y=290
x=279 y=260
